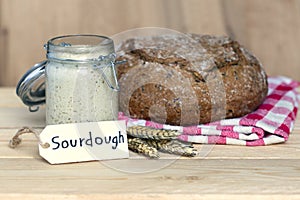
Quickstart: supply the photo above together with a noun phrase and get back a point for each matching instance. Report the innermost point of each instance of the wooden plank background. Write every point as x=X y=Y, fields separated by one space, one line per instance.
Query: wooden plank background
x=269 y=28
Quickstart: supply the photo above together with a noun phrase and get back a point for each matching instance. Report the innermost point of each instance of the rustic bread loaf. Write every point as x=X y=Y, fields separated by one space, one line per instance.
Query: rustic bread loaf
x=188 y=79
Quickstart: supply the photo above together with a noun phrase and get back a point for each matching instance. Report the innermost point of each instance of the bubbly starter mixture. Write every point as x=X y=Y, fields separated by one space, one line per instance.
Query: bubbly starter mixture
x=78 y=92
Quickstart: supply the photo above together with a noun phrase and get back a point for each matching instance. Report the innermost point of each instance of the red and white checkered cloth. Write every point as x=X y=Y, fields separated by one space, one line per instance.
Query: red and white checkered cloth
x=271 y=123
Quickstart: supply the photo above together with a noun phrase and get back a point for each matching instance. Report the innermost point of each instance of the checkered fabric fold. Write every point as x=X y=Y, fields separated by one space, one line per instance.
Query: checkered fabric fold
x=271 y=123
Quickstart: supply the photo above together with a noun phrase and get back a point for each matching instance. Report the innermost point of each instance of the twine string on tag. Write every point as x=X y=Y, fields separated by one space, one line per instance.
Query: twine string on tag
x=16 y=140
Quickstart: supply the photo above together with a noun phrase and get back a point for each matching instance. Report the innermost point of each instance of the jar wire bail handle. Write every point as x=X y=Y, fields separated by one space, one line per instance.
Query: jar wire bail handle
x=116 y=88
x=113 y=65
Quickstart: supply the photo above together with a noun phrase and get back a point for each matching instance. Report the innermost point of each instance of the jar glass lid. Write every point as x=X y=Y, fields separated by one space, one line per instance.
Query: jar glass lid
x=31 y=87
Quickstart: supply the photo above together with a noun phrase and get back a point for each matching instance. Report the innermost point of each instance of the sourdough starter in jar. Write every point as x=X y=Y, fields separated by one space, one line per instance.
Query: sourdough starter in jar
x=80 y=80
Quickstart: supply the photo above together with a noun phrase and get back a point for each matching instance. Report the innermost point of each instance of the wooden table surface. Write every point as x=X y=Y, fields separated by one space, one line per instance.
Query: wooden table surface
x=220 y=172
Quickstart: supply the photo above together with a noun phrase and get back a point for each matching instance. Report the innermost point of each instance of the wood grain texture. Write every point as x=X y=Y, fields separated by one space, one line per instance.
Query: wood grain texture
x=222 y=179
x=8 y=98
x=223 y=172
x=270 y=29
x=27 y=25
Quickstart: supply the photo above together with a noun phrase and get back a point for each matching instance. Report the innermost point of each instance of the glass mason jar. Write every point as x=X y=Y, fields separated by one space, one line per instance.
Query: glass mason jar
x=81 y=82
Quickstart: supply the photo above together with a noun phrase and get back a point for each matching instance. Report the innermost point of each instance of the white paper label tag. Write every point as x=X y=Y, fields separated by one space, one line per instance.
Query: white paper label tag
x=84 y=142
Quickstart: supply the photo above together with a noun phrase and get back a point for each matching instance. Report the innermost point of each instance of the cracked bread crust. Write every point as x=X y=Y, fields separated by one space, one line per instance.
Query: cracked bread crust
x=188 y=79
